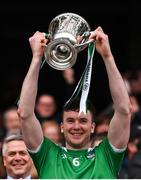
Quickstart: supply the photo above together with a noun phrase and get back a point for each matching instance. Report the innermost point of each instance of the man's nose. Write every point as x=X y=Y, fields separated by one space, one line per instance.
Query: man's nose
x=76 y=125
x=17 y=157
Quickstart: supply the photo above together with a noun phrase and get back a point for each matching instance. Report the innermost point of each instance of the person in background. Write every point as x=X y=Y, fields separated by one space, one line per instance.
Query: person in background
x=11 y=119
x=16 y=159
x=51 y=129
x=46 y=108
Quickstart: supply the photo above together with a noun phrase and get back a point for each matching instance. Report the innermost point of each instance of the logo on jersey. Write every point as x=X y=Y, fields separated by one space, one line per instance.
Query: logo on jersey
x=63 y=156
x=90 y=155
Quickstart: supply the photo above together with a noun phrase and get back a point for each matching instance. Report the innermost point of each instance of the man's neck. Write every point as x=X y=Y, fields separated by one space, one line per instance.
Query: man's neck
x=87 y=146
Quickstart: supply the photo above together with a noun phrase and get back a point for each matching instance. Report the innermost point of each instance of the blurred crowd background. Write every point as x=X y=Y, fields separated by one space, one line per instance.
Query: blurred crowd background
x=120 y=20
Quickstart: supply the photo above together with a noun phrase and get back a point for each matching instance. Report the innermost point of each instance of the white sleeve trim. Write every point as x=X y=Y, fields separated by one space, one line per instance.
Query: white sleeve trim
x=116 y=149
x=36 y=150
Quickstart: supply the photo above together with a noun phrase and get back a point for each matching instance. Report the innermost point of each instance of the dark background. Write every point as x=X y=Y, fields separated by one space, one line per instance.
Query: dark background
x=120 y=19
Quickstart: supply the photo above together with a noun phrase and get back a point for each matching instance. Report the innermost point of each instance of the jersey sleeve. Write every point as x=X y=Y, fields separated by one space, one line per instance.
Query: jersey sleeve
x=114 y=159
x=41 y=157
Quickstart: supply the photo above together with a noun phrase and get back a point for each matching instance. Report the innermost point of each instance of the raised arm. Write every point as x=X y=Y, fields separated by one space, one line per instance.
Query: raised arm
x=31 y=128
x=119 y=128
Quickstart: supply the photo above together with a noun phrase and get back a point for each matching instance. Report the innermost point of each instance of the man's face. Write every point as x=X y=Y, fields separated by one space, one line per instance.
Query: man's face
x=17 y=160
x=52 y=131
x=46 y=106
x=77 y=129
x=12 y=120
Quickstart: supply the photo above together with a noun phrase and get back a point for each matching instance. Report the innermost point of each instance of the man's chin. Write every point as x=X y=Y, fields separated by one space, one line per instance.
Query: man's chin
x=19 y=171
x=77 y=144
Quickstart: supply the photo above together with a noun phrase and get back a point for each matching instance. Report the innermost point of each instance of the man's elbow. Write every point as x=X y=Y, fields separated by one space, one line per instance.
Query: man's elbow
x=126 y=109
x=23 y=115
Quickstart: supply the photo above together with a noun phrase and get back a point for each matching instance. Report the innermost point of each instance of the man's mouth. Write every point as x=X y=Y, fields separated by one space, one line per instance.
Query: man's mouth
x=18 y=165
x=76 y=134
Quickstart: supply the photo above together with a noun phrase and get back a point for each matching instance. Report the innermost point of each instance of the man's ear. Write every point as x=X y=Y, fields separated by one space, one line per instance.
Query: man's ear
x=93 y=127
x=61 y=125
x=4 y=160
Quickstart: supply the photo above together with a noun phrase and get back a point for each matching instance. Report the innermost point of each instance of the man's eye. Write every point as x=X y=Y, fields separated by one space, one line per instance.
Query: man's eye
x=11 y=154
x=23 y=153
x=83 y=120
x=70 y=120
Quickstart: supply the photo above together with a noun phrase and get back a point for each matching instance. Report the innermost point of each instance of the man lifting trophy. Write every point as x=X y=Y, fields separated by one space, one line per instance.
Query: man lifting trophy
x=79 y=159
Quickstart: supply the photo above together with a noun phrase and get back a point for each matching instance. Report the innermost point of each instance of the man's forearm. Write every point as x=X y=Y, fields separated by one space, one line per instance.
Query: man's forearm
x=117 y=87
x=29 y=89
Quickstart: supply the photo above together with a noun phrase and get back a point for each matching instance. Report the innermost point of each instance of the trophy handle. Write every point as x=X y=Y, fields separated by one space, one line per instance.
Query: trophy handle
x=83 y=43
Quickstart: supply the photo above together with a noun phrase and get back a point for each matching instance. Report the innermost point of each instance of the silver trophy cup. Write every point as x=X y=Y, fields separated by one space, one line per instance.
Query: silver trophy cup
x=68 y=35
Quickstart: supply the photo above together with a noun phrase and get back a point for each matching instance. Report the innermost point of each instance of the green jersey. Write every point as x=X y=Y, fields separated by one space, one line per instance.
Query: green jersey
x=54 y=162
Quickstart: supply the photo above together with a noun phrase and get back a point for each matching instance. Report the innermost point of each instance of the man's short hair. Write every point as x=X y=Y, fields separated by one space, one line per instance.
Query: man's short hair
x=74 y=106
x=12 y=135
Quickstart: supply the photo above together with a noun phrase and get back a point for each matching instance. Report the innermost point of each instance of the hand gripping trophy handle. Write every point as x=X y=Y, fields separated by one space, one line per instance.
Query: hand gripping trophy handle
x=68 y=35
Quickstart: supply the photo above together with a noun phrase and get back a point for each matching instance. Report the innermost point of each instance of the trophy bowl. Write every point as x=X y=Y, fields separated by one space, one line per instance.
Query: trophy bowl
x=68 y=35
